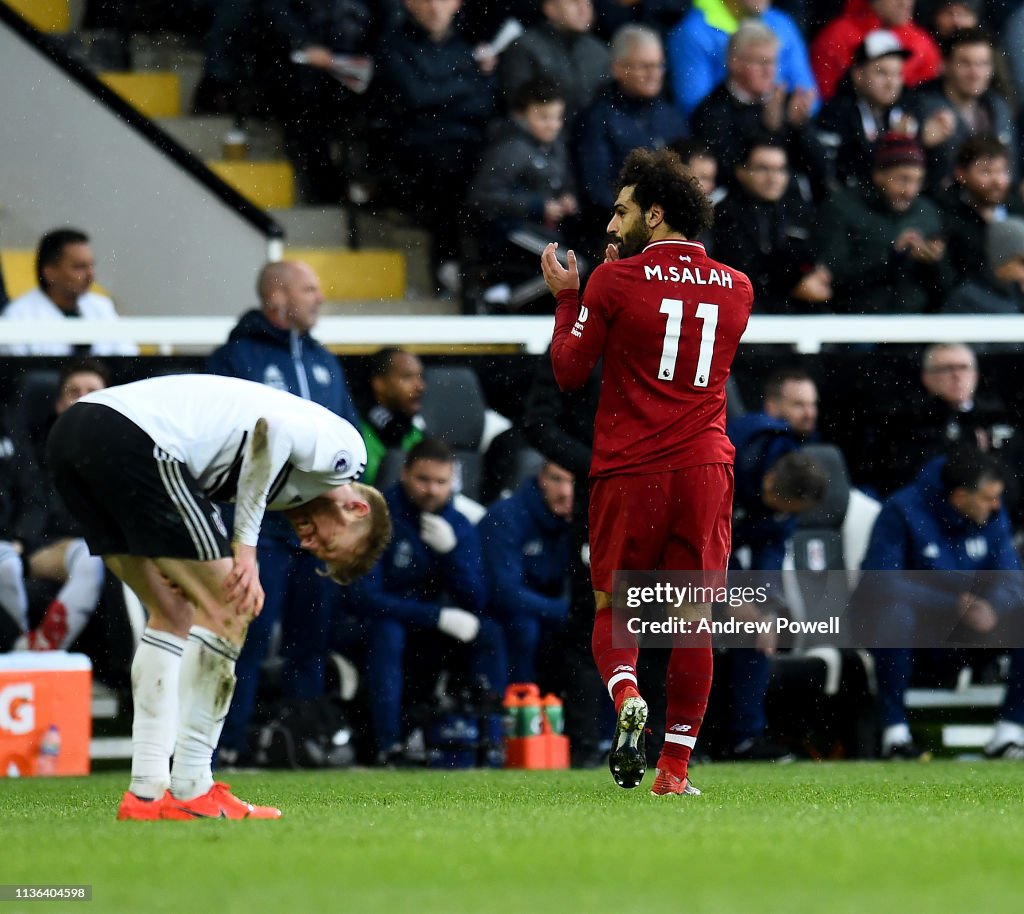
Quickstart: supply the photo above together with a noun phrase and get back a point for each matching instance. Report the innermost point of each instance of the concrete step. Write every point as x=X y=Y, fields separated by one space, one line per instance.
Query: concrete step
x=313 y=226
x=154 y=94
x=385 y=229
x=400 y=307
x=53 y=16
x=204 y=135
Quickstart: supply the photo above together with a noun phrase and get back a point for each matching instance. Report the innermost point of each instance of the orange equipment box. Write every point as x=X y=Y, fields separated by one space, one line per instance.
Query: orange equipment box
x=39 y=691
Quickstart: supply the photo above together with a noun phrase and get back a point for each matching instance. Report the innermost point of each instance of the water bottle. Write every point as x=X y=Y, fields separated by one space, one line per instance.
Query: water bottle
x=49 y=752
x=554 y=712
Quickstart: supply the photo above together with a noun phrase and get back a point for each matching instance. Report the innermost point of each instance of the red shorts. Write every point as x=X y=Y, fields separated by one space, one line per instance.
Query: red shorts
x=679 y=520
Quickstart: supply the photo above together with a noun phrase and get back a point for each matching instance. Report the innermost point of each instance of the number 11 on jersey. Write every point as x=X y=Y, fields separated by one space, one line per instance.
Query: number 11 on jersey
x=708 y=315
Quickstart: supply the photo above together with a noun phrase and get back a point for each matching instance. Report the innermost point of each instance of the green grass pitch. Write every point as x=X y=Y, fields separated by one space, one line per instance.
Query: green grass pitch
x=853 y=837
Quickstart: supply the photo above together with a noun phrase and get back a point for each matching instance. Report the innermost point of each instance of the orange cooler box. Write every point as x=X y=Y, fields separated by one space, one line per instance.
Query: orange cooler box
x=37 y=691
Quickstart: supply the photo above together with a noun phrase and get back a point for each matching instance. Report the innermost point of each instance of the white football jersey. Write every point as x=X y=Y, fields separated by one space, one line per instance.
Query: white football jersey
x=207 y=422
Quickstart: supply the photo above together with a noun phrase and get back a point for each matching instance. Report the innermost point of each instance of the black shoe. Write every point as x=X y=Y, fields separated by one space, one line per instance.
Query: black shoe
x=906 y=752
x=1014 y=751
x=759 y=749
x=628 y=759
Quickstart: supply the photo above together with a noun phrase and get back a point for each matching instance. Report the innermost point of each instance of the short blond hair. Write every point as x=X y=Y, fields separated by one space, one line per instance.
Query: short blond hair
x=375 y=539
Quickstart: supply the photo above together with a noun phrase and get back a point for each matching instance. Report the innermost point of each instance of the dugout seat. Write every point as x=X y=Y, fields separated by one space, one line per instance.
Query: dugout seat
x=454 y=410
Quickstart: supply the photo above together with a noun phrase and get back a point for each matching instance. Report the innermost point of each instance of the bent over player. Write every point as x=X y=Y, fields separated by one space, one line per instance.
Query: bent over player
x=666 y=320
x=140 y=467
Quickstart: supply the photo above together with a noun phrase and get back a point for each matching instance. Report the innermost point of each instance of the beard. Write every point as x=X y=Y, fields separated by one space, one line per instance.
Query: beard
x=635 y=240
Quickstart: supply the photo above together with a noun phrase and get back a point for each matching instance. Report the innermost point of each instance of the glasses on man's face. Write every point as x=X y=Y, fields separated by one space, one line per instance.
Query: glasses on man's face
x=950 y=369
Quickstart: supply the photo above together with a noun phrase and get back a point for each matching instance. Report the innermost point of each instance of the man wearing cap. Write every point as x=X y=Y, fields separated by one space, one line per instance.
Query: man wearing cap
x=867 y=105
x=883 y=242
x=832 y=49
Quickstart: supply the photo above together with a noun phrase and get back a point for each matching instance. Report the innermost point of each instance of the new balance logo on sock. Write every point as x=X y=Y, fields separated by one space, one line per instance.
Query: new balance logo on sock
x=622 y=668
x=680 y=728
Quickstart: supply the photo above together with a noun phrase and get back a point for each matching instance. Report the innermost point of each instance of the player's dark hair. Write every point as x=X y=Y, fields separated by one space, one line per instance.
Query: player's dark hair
x=84 y=366
x=429 y=449
x=759 y=141
x=378 y=535
x=799 y=477
x=956 y=38
x=980 y=146
x=538 y=91
x=661 y=178
x=379 y=363
x=774 y=383
x=51 y=248
x=969 y=468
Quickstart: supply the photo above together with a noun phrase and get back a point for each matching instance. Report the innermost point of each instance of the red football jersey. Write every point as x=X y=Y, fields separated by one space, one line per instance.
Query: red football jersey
x=667 y=323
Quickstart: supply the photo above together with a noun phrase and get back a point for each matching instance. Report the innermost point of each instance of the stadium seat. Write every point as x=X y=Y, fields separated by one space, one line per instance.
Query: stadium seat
x=268 y=185
x=454 y=411
x=355 y=275
x=51 y=16
x=152 y=94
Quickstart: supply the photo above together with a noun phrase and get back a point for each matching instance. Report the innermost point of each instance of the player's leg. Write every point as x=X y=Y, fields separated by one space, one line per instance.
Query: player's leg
x=81 y=574
x=627 y=527
x=155 y=675
x=206 y=688
x=700 y=541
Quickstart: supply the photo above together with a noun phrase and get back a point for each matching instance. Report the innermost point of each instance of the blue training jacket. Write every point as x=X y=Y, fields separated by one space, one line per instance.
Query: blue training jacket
x=412 y=582
x=526 y=556
x=918 y=530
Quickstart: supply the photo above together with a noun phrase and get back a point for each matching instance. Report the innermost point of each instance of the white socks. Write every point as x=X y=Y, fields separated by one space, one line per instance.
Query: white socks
x=81 y=592
x=12 y=585
x=895 y=735
x=155 y=674
x=207 y=684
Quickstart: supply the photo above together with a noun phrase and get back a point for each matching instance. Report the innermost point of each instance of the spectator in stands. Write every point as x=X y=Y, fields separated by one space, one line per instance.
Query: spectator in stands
x=65 y=268
x=562 y=49
x=701 y=162
x=525 y=540
x=697 y=51
x=976 y=198
x=866 y=106
x=659 y=15
x=947 y=409
x=1013 y=47
x=999 y=287
x=950 y=519
x=833 y=47
x=883 y=243
x=393 y=411
x=273 y=346
x=434 y=100
x=430 y=580
x=627 y=114
x=775 y=481
x=230 y=32
x=766 y=229
x=524 y=196
x=51 y=538
x=947 y=16
x=319 y=112
x=961 y=104
x=750 y=101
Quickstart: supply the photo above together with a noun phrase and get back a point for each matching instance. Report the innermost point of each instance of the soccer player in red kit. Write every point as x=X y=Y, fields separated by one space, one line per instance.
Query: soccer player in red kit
x=667 y=320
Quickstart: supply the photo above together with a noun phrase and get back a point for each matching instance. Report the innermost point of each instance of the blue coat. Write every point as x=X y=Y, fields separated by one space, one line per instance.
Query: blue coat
x=696 y=50
x=610 y=128
x=411 y=582
x=918 y=530
x=760 y=440
x=258 y=351
x=526 y=556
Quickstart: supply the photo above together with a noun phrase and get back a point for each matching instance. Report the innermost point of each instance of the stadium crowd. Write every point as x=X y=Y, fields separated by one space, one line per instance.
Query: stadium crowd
x=862 y=157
